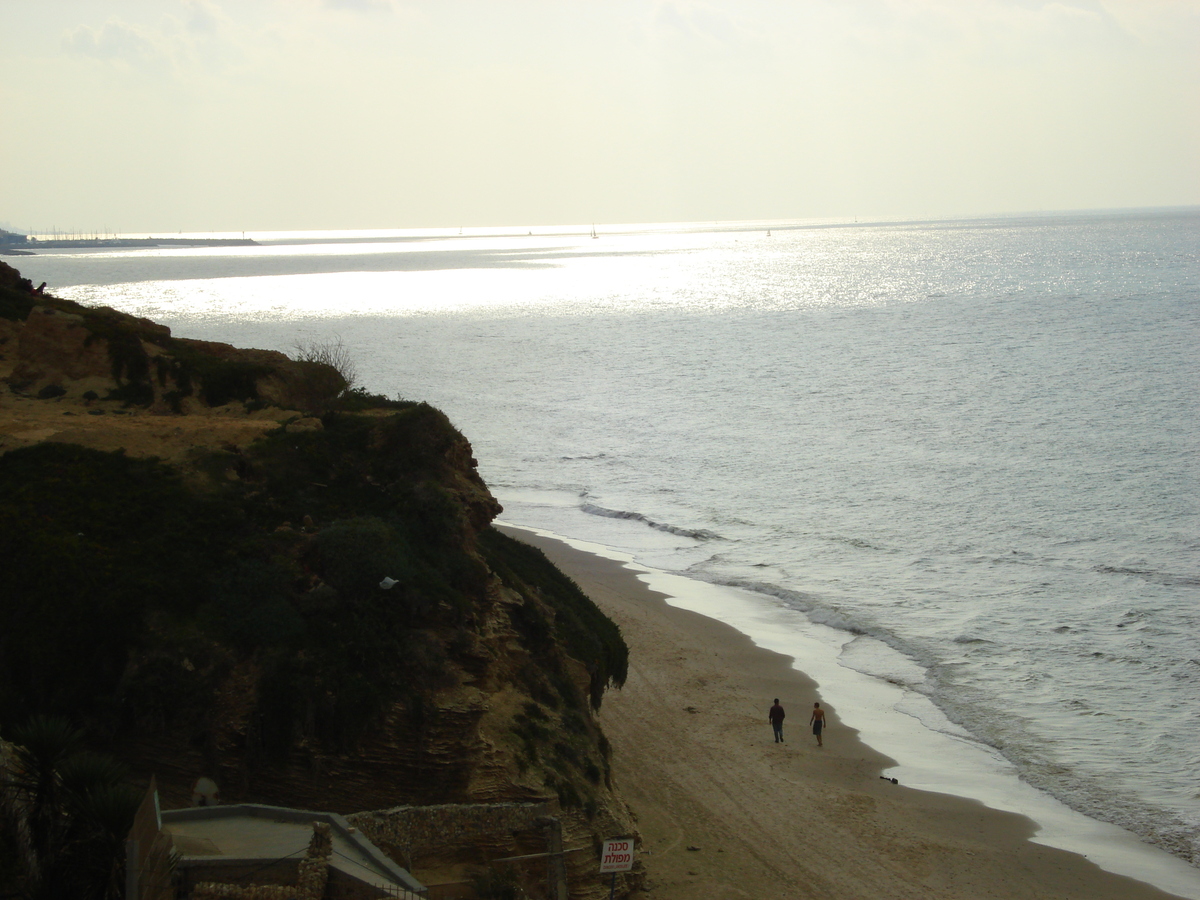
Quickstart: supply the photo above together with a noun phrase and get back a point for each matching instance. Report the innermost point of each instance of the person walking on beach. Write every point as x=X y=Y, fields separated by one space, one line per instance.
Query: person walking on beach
x=776 y=717
x=817 y=722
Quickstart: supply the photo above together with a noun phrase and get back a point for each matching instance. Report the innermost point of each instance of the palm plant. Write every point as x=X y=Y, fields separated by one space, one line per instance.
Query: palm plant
x=68 y=811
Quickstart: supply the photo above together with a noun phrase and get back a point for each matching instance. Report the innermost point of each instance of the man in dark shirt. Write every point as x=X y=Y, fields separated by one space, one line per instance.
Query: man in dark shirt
x=776 y=717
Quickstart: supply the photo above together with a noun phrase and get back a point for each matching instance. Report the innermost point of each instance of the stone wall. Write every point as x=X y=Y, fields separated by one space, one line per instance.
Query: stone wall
x=313 y=872
x=408 y=832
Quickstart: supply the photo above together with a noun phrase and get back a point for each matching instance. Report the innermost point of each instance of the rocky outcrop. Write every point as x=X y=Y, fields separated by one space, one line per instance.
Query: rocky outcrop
x=56 y=347
x=53 y=348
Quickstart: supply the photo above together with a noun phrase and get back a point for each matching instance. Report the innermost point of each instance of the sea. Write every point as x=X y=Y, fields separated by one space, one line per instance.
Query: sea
x=953 y=467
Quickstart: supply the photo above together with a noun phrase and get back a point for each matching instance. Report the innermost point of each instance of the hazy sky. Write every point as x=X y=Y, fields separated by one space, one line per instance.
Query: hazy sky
x=144 y=115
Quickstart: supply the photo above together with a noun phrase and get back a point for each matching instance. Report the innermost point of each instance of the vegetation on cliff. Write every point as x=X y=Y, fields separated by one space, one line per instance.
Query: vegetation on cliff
x=139 y=591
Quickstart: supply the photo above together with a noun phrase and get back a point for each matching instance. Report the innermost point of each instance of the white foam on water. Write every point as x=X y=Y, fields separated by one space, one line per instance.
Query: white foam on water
x=931 y=753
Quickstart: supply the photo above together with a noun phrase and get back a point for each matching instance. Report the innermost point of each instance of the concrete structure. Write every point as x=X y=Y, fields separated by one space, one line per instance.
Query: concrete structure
x=254 y=844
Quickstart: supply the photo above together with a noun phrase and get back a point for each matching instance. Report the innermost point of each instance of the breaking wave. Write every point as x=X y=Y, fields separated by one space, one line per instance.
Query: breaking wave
x=698 y=534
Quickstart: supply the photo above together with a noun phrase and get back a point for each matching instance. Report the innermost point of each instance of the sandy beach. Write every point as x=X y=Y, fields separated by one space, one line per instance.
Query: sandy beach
x=726 y=812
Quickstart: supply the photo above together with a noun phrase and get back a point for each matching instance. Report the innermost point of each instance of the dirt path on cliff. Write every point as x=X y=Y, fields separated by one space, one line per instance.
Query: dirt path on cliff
x=101 y=425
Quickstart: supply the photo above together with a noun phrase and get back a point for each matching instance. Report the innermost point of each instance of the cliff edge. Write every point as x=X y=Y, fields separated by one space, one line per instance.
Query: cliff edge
x=225 y=563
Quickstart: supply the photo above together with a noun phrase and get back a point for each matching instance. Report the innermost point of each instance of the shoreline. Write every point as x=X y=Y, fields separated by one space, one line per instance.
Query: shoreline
x=694 y=757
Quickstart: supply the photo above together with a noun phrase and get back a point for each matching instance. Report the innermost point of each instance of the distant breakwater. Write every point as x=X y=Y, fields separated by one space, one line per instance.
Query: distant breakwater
x=93 y=243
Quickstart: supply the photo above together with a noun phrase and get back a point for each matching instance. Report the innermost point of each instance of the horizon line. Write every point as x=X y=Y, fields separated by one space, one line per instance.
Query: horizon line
x=566 y=229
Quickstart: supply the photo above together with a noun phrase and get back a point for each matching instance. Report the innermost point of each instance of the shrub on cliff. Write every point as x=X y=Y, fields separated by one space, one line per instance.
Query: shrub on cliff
x=119 y=573
x=252 y=605
x=16 y=294
x=92 y=541
x=329 y=371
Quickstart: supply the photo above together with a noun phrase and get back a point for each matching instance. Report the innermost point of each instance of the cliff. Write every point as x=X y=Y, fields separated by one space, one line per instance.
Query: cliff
x=223 y=563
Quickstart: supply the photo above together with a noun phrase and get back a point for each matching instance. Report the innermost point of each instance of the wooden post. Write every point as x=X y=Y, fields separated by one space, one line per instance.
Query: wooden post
x=131 y=869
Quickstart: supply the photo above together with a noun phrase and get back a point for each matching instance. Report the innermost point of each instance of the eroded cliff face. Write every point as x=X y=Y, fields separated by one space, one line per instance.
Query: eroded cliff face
x=304 y=603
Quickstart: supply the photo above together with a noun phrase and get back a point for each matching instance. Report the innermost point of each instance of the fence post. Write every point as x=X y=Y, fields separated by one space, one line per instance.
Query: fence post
x=131 y=869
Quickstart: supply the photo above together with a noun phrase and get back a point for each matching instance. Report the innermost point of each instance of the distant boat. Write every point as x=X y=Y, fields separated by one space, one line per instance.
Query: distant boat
x=594 y=230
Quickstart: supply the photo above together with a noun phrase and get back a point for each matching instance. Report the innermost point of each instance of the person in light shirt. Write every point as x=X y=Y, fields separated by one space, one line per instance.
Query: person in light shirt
x=817 y=721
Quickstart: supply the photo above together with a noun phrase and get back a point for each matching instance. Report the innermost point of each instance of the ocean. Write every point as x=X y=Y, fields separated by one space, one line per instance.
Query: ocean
x=965 y=452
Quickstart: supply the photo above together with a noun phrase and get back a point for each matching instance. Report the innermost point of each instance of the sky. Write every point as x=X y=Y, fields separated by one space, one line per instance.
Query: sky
x=252 y=115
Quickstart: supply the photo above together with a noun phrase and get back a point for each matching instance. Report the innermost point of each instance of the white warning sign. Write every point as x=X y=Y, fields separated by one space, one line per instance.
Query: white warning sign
x=616 y=855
